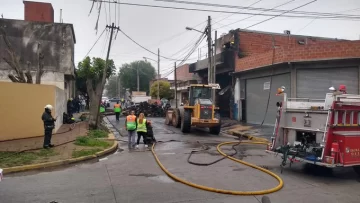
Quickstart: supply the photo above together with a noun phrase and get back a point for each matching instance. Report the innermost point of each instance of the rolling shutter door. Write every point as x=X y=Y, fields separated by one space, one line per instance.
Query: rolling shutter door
x=257 y=93
x=315 y=83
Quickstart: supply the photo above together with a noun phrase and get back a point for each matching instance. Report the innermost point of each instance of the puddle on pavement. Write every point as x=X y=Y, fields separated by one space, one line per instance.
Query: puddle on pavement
x=162 y=178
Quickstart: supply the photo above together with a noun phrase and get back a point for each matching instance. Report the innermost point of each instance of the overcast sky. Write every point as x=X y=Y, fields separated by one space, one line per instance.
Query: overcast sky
x=165 y=28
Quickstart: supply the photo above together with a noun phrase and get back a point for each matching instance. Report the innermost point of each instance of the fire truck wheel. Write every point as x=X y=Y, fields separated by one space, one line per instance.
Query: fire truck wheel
x=176 y=119
x=357 y=170
x=186 y=122
x=216 y=130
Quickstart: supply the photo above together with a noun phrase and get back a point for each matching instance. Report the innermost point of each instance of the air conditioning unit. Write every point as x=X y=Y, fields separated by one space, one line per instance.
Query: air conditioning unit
x=287 y=32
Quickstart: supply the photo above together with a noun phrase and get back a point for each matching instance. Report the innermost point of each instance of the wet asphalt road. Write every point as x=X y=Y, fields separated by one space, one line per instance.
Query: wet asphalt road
x=135 y=176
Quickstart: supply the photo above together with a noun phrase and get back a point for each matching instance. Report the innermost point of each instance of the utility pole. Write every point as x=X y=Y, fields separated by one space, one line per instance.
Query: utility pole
x=158 y=77
x=176 y=102
x=103 y=80
x=137 y=77
x=214 y=69
x=208 y=32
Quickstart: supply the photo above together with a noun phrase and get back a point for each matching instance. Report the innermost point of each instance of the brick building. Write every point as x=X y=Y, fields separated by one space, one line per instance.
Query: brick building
x=254 y=64
x=306 y=66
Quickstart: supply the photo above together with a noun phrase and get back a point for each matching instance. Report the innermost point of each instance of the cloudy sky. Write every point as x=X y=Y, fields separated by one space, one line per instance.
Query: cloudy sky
x=165 y=28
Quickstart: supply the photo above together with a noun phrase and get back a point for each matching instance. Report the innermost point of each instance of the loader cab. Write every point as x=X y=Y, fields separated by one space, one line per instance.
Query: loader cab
x=199 y=92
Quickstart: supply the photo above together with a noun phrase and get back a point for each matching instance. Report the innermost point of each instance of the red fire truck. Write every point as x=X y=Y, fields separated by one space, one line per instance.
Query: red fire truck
x=321 y=132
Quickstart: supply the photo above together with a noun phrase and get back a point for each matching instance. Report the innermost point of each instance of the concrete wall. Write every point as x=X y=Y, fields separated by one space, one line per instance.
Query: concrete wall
x=57 y=44
x=22 y=105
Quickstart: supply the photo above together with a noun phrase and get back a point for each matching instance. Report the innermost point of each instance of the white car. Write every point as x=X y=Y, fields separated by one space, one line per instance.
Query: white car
x=105 y=100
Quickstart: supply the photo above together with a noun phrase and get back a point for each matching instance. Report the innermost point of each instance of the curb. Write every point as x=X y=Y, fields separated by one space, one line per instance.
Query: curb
x=61 y=162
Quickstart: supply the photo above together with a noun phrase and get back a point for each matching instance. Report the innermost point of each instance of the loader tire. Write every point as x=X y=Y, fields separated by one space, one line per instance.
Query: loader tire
x=167 y=119
x=357 y=170
x=186 y=122
x=176 y=119
x=216 y=129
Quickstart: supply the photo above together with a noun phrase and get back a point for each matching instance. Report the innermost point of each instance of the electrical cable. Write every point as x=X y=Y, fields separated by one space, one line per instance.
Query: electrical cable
x=271 y=77
x=280 y=14
x=95 y=43
x=234 y=14
x=316 y=19
x=216 y=161
x=246 y=13
x=258 y=9
x=255 y=15
x=145 y=47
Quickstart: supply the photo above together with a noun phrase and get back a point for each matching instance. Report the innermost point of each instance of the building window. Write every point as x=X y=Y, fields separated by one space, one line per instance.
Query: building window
x=65 y=85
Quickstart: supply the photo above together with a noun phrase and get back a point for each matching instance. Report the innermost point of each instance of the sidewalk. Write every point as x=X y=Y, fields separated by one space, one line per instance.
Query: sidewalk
x=65 y=135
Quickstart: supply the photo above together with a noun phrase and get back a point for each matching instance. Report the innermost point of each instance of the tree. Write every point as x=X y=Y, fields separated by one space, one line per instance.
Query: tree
x=128 y=75
x=13 y=60
x=112 y=87
x=165 y=91
x=92 y=72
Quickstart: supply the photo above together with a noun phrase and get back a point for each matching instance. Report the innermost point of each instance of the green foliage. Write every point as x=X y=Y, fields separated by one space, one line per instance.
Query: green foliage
x=97 y=134
x=85 y=152
x=90 y=142
x=111 y=87
x=165 y=91
x=128 y=75
x=9 y=159
x=93 y=69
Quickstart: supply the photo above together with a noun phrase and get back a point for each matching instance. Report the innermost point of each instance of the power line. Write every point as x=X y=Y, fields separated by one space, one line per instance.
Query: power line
x=255 y=14
x=95 y=43
x=145 y=47
x=256 y=9
x=301 y=29
x=246 y=13
x=280 y=14
x=234 y=14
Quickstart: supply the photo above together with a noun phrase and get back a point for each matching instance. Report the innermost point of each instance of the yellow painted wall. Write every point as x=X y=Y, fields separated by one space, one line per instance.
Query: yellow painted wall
x=21 y=107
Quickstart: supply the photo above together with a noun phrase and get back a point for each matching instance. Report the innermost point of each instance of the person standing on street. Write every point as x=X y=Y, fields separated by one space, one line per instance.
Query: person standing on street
x=141 y=130
x=117 y=110
x=131 y=126
x=49 y=125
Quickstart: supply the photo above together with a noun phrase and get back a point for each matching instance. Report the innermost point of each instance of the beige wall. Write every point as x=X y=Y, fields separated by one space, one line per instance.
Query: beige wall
x=21 y=107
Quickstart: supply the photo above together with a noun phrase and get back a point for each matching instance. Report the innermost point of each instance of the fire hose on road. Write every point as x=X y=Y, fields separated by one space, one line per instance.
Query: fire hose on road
x=231 y=192
x=210 y=189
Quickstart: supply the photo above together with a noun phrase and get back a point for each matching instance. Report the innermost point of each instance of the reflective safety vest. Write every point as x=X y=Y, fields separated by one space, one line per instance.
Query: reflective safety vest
x=141 y=127
x=131 y=122
x=102 y=109
x=117 y=108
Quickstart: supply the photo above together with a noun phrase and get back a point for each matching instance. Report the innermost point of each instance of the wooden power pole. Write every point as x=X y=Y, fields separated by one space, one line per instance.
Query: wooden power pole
x=176 y=101
x=208 y=32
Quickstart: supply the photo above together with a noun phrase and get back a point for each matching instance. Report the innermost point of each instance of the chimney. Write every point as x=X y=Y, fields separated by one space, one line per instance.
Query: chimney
x=38 y=12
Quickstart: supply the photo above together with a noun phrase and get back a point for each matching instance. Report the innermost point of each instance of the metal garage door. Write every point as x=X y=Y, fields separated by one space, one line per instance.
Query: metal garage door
x=315 y=83
x=257 y=93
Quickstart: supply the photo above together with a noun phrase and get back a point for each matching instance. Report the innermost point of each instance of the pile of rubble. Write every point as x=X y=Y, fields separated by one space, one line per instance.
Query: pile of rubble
x=150 y=110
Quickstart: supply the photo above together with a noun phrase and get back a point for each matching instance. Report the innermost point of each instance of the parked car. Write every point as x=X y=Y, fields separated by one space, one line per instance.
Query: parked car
x=105 y=101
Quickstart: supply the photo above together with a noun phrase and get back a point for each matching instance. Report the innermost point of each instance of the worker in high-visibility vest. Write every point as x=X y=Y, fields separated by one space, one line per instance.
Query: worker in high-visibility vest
x=131 y=126
x=141 y=130
x=117 y=110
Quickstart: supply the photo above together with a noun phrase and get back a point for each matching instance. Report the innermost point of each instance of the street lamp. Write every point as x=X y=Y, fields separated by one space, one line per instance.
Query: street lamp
x=158 y=75
x=190 y=28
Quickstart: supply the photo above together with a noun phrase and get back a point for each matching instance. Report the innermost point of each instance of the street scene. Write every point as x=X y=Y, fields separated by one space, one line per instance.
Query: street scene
x=169 y=101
